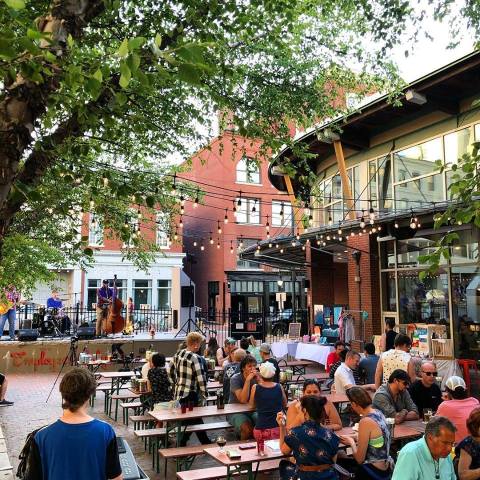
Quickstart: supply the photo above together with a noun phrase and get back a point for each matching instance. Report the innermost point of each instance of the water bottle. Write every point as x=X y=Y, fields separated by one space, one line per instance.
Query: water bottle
x=220 y=400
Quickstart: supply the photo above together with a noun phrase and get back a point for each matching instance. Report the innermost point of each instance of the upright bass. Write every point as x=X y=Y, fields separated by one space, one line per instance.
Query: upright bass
x=115 y=323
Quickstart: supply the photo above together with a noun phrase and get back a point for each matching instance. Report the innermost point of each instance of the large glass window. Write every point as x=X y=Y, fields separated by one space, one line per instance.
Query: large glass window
x=419 y=193
x=92 y=286
x=457 y=144
x=164 y=294
x=281 y=214
x=418 y=160
x=95 y=230
x=142 y=293
x=248 y=171
x=245 y=264
x=248 y=211
x=163 y=228
x=122 y=290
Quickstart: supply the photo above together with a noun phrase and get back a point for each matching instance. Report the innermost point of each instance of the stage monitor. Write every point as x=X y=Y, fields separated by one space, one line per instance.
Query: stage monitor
x=28 y=334
x=85 y=333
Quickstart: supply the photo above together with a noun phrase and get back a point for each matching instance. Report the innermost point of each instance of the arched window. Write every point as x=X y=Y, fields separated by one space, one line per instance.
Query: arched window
x=248 y=171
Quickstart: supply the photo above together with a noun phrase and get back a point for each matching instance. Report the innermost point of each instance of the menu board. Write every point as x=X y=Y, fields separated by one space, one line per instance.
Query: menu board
x=294 y=330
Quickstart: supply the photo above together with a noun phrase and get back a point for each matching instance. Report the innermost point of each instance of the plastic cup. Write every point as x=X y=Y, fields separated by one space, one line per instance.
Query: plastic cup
x=183 y=408
x=190 y=405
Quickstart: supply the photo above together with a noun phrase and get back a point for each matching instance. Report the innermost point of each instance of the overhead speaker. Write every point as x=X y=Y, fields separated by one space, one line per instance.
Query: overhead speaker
x=28 y=334
x=85 y=333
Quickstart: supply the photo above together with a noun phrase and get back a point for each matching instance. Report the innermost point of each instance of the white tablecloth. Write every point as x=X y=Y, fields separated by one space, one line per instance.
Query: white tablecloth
x=314 y=352
x=281 y=349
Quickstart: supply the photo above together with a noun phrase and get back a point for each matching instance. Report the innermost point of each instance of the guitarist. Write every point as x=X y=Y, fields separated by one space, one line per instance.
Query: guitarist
x=104 y=300
x=9 y=310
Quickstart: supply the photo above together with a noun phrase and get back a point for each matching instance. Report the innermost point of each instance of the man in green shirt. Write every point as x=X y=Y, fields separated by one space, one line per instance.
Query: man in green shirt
x=429 y=457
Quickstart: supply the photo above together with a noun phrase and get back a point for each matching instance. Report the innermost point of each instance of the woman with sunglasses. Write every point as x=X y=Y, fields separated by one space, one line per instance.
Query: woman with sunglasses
x=371 y=451
x=295 y=415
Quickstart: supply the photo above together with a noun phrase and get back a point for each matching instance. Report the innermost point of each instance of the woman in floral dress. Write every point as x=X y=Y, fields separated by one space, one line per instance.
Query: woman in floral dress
x=313 y=446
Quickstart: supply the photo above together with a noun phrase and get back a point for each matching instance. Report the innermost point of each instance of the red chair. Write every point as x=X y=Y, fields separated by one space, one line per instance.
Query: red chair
x=466 y=365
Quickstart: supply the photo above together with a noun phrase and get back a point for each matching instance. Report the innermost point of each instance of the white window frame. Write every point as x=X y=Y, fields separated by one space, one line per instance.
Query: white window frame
x=168 y=289
x=95 y=233
x=162 y=237
x=277 y=220
x=244 y=211
x=248 y=171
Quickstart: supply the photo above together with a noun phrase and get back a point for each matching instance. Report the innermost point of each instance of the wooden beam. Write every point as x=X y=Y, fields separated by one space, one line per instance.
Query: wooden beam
x=347 y=193
x=297 y=212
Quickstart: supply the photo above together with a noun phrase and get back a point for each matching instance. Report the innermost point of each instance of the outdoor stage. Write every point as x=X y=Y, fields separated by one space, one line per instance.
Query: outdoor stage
x=48 y=354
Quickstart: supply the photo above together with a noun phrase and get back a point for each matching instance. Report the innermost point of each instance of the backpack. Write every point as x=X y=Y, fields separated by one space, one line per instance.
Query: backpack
x=24 y=455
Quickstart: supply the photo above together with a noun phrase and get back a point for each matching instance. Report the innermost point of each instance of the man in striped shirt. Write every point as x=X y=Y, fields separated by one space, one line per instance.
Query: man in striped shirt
x=189 y=379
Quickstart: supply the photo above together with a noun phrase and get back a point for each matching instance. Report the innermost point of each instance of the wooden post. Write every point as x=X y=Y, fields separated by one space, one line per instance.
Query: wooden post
x=297 y=212
x=347 y=192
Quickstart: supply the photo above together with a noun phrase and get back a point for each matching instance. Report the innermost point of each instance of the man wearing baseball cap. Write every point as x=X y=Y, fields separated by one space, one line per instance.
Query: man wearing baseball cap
x=458 y=406
x=265 y=353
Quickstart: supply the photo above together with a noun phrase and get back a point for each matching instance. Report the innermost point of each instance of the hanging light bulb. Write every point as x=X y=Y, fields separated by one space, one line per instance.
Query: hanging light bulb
x=92 y=203
x=234 y=210
x=282 y=213
x=297 y=236
x=303 y=247
x=270 y=245
x=219 y=228
x=182 y=210
x=196 y=201
x=258 y=246
x=225 y=218
x=241 y=242
x=379 y=228
x=139 y=214
x=330 y=220
x=126 y=224
x=105 y=181
x=413 y=223
x=202 y=247
x=340 y=230
x=328 y=237
x=239 y=201
x=395 y=224
x=310 y=220
x=182 y=200
x=211 y=239
x=293 y=243
x=307 y=208
x=175 y=236
x=254 y=208
x=277 y=245
x=195 y=243
x=267 y=225
x=181 y=222
x=362 y=220
x=318 y=241
x=340 y=239
x=281 y=250
x=352 y=233
x=218 y=243
x=371 y=212
x=231 y=246
x=174 y=186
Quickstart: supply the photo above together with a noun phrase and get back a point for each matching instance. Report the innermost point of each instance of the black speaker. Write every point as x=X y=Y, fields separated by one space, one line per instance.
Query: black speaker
x=85 y=333
x=187 y=296
x=175 y=319
x=27 y=334
x=307 y=283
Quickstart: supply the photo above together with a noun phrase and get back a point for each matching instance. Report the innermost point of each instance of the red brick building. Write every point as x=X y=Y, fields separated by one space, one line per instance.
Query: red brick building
x=231 y=181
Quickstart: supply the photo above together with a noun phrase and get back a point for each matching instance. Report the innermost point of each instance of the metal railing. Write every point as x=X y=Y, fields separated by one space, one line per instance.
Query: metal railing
x=30 y=316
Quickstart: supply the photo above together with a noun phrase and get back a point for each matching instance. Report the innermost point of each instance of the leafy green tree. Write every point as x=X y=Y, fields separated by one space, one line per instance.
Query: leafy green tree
x=95 y=95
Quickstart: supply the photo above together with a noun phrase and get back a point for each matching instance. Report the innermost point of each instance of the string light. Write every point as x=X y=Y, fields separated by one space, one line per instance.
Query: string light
x=362 y=219
x=330 y=220
x=241 y=241
x=196 y=201
x=225 y=219
x=105 y=181
x=413 y=221
x=174 y=186
x=175 y=236
x=270 y=245
x=395 y=224
x=211 y=239
x=182 y=209
x=92 y=203
x=182 y=200
x=239 y=201
x=202 y=247
x=195 y=243
x=181 y=222
x=126 y=224
x=218 y=243
x=231 y=246
x=254 y=208
x=371 y=212
x=139 y=214
x=219 y=228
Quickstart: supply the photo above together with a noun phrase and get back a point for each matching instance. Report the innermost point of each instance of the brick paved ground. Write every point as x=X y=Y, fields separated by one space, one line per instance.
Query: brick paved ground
x=30 y=411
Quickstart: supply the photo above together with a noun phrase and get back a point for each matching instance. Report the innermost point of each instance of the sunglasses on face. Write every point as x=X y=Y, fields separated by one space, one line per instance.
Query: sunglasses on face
x=429 y=374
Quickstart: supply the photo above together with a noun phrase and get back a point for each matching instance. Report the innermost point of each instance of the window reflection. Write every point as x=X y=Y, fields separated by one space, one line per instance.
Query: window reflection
x=418 y=160
x=419 y=193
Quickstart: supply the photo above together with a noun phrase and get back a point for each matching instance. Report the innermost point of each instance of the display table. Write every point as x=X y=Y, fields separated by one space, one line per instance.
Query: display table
x=282 y=349
x=314 y=352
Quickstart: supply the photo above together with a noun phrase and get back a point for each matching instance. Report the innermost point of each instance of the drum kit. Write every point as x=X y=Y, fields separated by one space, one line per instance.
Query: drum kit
x=51 y=322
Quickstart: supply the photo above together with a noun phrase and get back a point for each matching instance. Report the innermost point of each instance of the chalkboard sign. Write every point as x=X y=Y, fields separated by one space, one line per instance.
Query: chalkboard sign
x=294 y=331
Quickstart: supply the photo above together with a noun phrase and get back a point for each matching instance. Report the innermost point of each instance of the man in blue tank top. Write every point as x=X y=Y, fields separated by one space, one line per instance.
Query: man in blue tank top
x=77 y=446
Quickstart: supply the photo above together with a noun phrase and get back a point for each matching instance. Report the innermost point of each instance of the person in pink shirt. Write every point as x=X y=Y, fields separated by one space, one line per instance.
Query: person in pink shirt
x=334 y=357
x=458 y=406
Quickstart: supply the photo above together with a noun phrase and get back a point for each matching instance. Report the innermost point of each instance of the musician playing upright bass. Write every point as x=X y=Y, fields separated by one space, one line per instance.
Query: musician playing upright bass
x=104 y=300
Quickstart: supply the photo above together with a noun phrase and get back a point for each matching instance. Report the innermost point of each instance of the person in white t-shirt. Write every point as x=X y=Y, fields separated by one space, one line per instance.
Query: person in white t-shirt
x=397 y=359
x=344 y=378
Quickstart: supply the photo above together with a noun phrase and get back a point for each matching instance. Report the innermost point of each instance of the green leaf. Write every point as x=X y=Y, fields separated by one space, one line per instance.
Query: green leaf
x=34 y=34
x=6 y=50
x=133 y=62
x=15 y=4
x=135 y=43
x=125 y=75
x=188 y=73
x=70 y=41
x=158 y=40
x=150 y=201
x=121 y=98
x=88 y=251
x=122 y=52
x=98 y=75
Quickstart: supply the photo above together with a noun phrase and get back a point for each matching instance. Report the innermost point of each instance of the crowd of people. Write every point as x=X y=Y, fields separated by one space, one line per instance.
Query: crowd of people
x=308 y=428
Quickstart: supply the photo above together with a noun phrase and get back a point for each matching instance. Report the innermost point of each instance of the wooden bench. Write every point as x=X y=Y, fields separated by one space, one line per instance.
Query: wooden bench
x=185 y=456
x=153 y=435
x=118 y=397
x=141 y=421
x=126 y=406
x=221 y=472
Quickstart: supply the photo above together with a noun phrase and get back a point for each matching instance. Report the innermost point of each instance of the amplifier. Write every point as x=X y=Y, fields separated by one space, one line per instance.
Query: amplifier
x=85 y=332
x=27 y=334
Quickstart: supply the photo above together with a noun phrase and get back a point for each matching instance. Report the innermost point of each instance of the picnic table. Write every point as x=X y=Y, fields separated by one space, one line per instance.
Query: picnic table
x=298 y=366
x=117 y=378
x=173 y=418
x=245 y=463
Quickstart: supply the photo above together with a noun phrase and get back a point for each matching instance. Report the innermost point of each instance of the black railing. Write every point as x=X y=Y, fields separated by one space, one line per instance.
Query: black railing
x=30 y=316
